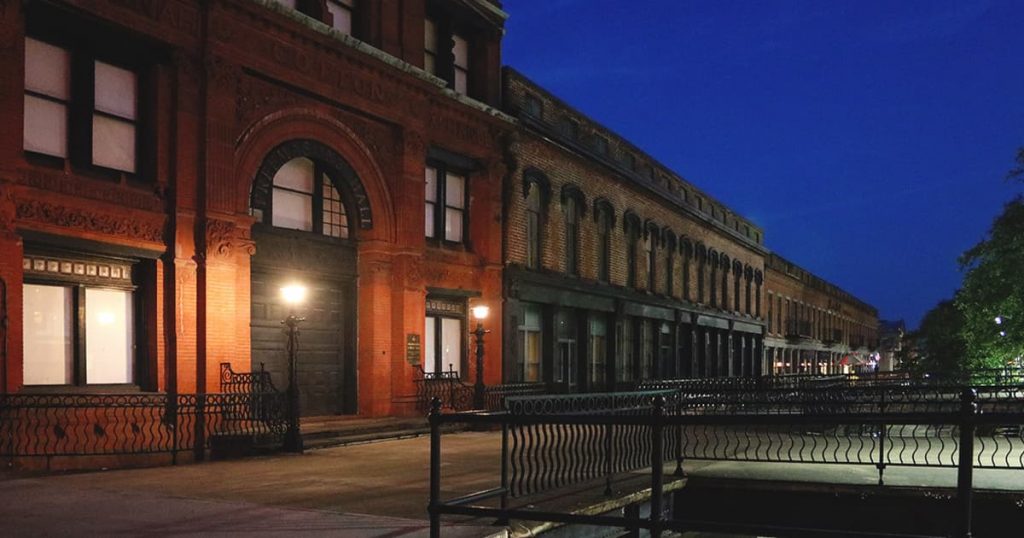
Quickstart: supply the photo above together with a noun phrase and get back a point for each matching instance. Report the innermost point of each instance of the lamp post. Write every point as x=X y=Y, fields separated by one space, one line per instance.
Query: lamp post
x=480 y=314
x=293 y=295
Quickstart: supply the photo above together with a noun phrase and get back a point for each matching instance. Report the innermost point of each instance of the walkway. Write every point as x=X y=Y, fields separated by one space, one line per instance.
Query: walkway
x=364 y=490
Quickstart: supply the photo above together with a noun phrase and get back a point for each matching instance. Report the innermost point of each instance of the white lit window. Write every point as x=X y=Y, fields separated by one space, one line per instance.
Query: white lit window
x=296 y=205
x=598 y=350
x=115 y=111
x=445 y=204
x=341 y=14
x=105 y=351
x=530 y=337
x=47 y=92
x=443 y=342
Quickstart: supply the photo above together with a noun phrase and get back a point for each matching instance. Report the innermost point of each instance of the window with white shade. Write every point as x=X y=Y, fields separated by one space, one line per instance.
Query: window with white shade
x=530 y=336
x=341 y=12
x=460 y=63
x=79 y=322
x=447 y=54
x=445 y=204
x=47 y=93
x=444 y=336
x=305 y=198
x=98 y=110
x=115 y=111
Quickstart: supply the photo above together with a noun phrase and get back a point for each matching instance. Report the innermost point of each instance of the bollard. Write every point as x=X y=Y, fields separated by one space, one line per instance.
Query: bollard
x=435 y=468
x=657 y=463
x=965 y=468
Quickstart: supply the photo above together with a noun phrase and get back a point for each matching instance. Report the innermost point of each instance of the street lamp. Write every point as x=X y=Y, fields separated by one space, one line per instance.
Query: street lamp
x=293 y=295
x=480 y=314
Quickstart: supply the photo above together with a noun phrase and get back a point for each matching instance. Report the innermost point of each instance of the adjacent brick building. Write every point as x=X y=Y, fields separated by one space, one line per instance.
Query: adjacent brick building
x=813 y=326
x=181 y=160
x=616 y=269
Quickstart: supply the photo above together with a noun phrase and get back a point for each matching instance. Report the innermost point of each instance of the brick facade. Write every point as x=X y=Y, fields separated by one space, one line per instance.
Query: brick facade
x=223 y=84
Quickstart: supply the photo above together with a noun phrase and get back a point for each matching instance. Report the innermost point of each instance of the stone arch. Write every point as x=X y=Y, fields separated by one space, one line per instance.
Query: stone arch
x=261 y=138
x=533 y=177
x=603 y=205
x=630 y=222
x=347 y=181
x=572 y=191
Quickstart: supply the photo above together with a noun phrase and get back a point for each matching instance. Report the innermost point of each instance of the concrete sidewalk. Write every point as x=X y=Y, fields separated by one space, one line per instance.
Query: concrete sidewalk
x=372 y=490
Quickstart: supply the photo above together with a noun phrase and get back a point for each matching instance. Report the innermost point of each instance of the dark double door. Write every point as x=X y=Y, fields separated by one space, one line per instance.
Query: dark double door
x=326 y=358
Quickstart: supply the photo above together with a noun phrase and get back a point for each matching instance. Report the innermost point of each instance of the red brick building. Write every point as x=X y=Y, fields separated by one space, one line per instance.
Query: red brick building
x=181 y=160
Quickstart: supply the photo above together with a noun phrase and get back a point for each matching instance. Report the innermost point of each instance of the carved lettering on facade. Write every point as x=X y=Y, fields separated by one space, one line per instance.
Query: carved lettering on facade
x=453 y=127
x=56 y=215
x=175 y=15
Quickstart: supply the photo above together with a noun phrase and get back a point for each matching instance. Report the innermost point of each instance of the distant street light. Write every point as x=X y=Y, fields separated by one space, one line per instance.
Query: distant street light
x=294 y=295
x=480 y=313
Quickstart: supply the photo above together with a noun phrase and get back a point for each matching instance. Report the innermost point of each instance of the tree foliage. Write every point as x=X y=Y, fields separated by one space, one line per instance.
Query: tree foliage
x=983 y=326
x=992 y=295
x=940 y=342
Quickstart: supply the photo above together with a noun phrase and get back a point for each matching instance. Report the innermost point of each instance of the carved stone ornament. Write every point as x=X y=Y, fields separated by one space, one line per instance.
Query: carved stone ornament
x=223 y=237
x=67 y=217
x=7 y=211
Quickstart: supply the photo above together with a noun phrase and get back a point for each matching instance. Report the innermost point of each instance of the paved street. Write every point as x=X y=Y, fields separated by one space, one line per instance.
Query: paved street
x=370 y=490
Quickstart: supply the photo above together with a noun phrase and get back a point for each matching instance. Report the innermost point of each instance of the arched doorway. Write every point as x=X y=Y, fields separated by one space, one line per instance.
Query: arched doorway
x=309 y=205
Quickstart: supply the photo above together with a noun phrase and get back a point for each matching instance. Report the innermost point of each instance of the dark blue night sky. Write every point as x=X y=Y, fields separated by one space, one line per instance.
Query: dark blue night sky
x=869 y=139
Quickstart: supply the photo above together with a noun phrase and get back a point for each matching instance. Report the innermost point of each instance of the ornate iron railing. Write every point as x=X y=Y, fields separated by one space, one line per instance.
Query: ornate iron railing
x=495 y=396
x=123 y=424
x=568 y=447
x=457 y=395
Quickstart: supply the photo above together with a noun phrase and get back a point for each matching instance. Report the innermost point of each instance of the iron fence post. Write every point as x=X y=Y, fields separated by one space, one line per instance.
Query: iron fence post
x=881 y=441
x=965 y=467
x=478 y=387
x=503 y=520
x=435 y=468
x=657 y=463
x=608 y=432
x=293 y=435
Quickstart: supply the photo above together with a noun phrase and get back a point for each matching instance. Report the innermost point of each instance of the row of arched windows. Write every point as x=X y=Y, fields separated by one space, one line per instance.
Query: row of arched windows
x=718 y=281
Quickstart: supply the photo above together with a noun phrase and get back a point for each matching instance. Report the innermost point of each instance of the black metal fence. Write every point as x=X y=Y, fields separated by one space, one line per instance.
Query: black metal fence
x=550 y=442
x=249 y=410
x=456 y=395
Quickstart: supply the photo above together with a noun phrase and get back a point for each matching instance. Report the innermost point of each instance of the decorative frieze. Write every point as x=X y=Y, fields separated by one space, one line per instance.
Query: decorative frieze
x=224 y=238
x=76 y=268
x=59 y=182
x=82 y=220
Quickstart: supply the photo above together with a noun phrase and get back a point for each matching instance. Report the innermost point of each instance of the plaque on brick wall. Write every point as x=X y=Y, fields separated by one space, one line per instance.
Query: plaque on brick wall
x=412 y=349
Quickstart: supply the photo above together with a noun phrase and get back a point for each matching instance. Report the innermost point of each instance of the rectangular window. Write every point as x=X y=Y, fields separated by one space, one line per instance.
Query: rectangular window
x=625 y=366
x=430 y=46
x=47 y=93
x=78 y=334
x=530 y=338
x=646 y=349
x=341 y=14
x=49 y=335
x=571 y=236
x=105 y=98
x=598 y=351
x=460 y=64
x=445 y=190
x=115 y=111
x=650 y=254
x=533 y=206
x=430 y=180
x=443 y=337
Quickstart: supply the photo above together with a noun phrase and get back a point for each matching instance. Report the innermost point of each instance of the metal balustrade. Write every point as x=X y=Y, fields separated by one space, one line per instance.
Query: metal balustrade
x=555 y=441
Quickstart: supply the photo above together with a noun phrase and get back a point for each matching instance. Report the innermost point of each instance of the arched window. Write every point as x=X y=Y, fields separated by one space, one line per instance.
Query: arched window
x=725 y=282
x=702 y=255
x=652 y=235
x=713 y=262
x=604 y=214
x=533 y=227
x=758 y=280
x=686 y=249
x=737 y=274
x=572 y=208
x=304 y=197
x=670 y=256
x=748 y=276
x=571 y=236
x=631 y=225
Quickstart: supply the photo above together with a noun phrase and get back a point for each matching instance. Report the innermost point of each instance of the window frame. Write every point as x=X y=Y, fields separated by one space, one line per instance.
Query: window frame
x=446 y=308
x=84 y=50
x=319 y=171
x=571 y=221
x=89 y=278
x=441 y=202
